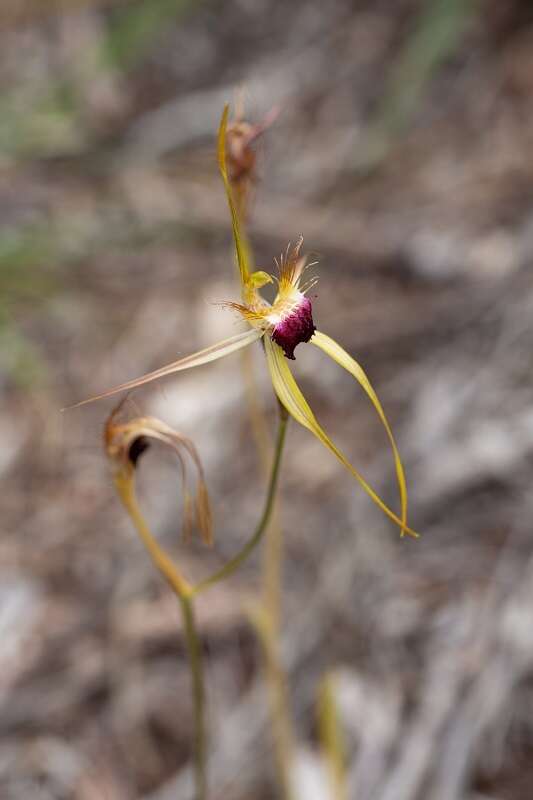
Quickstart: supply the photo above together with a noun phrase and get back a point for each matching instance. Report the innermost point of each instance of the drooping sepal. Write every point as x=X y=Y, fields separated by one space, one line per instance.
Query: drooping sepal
x=292 y=398
x=345 y=360
x=212 y=353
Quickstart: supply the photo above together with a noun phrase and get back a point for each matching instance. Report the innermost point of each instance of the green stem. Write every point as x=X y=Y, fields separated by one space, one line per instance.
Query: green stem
x=276 y=679
x=197 y=674
x=330 y=735
x=231 y=566
x=186 y=593
x=125 y=484
x=267 y=619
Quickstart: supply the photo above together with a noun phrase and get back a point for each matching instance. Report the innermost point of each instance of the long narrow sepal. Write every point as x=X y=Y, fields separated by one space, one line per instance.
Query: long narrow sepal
x=292 y=398
x=212 y=353
x=344 y=359
x=244 y=257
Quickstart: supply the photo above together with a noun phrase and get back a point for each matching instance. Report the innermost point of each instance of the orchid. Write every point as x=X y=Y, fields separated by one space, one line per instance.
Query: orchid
x=125 y=442
x=241 y=156
x=282 y=325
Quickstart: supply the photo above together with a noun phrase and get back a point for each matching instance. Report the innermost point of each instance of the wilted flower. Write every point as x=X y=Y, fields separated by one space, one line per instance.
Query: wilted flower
x=282 y=325
x=125 y=442
x=241 y=156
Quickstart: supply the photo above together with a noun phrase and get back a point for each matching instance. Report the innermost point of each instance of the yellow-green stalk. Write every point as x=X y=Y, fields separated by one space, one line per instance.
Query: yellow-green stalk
x=331 y=739
x=124 y=444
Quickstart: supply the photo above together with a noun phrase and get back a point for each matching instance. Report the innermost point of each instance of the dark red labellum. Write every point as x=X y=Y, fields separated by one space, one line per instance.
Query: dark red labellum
x=295 y=328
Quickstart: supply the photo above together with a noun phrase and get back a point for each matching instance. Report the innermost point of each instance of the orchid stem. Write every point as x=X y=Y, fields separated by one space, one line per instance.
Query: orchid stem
x=197 y=673
x=276 y=680
x=273 y=559
x=231 y=566
x=267 y=621
x=256 y=414
x=125 y=484
x=126 y=489
x=331 y=738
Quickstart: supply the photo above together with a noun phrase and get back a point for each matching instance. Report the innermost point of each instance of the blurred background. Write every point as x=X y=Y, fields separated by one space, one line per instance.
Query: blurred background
x=403 y=154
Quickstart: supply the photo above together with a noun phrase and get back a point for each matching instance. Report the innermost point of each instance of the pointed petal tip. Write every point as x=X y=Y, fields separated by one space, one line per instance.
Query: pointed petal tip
x=212 y=353
x=291 y=397
x=345 y=360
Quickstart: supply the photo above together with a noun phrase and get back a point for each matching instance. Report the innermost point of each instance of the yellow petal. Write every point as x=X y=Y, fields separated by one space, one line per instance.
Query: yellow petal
x=212 y=353
x=244 y=258
x=291 y=397
x=338 y=354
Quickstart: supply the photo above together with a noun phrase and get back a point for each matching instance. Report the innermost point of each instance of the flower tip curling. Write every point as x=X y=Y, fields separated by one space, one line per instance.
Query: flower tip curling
x=125 y=442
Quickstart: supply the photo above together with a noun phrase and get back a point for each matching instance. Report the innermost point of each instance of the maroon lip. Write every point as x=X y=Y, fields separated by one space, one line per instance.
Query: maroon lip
x=295 y=328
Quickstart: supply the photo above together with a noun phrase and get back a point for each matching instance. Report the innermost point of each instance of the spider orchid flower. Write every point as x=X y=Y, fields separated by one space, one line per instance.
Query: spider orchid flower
x=282 y=326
